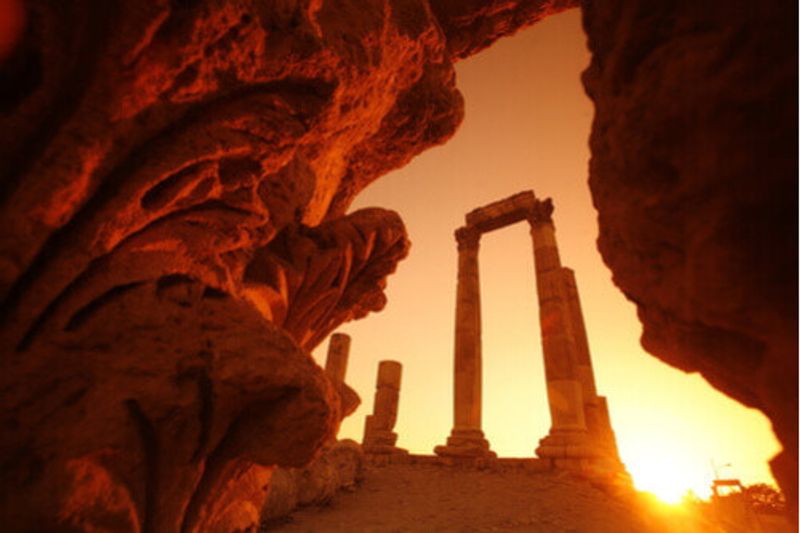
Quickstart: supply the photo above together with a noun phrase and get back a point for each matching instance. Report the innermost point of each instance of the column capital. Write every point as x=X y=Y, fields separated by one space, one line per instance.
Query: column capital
x=467 y=237
x=541 y=213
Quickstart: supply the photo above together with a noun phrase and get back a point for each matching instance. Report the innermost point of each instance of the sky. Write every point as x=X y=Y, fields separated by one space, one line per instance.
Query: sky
x=526 y=126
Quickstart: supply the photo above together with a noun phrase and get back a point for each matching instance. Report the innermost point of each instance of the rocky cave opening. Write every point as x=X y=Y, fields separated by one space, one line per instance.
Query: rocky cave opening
x=173 y=237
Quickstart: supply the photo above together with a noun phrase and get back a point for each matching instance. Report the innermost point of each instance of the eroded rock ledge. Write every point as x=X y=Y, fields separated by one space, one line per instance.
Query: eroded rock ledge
x=694 y=176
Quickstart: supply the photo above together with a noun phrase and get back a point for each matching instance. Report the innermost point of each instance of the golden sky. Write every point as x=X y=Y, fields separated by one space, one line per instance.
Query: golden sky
x=526 y=127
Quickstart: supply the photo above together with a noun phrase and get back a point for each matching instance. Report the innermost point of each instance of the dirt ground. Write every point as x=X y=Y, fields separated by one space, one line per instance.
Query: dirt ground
x=431 y=498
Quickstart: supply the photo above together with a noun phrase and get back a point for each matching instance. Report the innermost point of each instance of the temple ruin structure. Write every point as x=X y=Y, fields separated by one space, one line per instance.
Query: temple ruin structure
x=580 y=433
x=379 y=437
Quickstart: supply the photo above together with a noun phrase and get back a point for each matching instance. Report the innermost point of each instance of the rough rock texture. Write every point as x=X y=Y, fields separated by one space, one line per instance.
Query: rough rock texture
x=173 y=181
x=694 y=176
x=472 y=25
x=172 y=245
x=173 y=241
x=339 y=466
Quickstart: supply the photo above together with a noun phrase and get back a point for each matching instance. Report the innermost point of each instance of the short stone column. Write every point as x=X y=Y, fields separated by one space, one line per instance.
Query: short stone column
x=467 y=439
x=338 y=353
x=379 y=437
x=568 y=437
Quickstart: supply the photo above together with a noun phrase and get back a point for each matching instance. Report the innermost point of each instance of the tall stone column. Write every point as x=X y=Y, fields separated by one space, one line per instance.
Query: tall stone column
x=583 y=357
x=568 y=437
x=338 y=353
x=598 y=421
x=466 y=438
x=379 y=437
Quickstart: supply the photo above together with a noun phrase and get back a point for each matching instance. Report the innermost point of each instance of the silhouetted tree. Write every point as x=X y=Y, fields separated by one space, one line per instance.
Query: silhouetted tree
x=765 y=499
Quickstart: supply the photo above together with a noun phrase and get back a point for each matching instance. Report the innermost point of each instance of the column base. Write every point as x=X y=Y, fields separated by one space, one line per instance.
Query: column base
x=383 y=449
x=465 y=443
x=566 y=444
x=576 y=450
x=598 y=423
x=380 y=441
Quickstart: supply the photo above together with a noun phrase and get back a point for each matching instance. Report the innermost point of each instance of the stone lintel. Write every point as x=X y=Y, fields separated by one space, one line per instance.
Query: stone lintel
x=502 y=213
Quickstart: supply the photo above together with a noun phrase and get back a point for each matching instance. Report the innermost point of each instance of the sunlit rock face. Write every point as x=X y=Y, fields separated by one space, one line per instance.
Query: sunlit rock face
x=172 y=243
x=694 y=176
x=472 y=25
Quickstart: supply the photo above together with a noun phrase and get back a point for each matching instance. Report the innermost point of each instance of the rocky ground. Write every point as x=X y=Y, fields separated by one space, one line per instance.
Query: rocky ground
x=399 y=498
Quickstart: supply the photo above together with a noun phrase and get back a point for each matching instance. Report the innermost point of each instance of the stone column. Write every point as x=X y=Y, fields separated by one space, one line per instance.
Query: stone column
x=568 y=437
x=466 y=438
x=598 y=421
x=338 y=352
x=583 y=357
x=379 y=437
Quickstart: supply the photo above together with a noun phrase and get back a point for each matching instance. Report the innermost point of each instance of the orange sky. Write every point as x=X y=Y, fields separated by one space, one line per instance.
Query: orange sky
x=526 y=127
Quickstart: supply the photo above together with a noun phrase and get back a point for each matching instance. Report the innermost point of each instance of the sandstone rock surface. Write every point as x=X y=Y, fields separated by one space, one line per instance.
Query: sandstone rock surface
x=173 y=243
x=694 y=176
x=339 y=466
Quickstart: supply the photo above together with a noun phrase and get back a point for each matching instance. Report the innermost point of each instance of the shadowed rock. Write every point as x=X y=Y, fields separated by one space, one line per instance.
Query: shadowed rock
x=694 y=176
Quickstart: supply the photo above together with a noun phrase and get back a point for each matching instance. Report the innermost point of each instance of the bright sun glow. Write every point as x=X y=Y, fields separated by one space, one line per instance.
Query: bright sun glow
x=667 y=474
x=668 y=485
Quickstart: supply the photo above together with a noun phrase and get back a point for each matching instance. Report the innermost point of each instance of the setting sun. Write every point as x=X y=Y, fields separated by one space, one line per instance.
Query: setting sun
x=667 y=476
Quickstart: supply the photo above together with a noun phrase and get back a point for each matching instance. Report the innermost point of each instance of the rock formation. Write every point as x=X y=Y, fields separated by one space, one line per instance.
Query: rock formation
x=174 y=177
x=340 y=466
x=173 y=243
x=694 y=176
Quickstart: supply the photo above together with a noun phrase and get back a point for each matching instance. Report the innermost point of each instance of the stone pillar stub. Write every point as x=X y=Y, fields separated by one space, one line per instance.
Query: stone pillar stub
x=466 y=438
x=338 y=354
x=379 y=437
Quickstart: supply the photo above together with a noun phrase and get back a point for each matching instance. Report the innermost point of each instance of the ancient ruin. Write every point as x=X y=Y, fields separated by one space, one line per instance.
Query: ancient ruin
x=338 y=354
x=379 y=437
x=336 y=370
x=175 y=178
x=581 y=434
